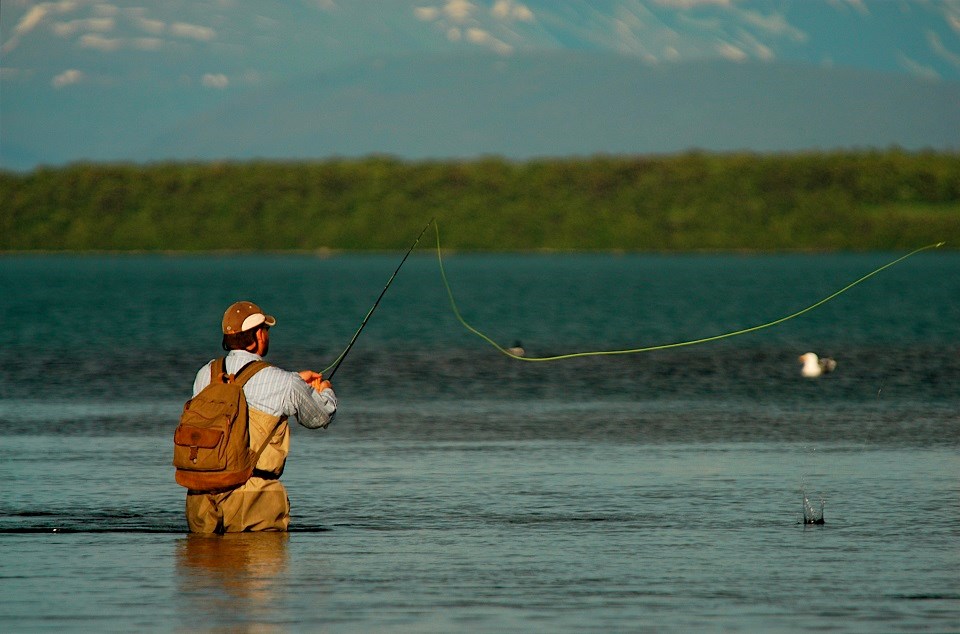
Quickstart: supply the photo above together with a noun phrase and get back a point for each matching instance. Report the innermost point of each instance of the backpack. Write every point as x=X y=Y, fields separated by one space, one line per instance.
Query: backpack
x=211 y=445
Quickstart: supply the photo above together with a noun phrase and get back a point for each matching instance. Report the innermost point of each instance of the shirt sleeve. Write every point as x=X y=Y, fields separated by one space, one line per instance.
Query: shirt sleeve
x=313 y=409
x=203 y=378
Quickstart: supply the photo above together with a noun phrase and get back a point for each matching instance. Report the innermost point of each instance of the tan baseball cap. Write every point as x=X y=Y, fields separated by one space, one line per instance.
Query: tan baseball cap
x=244 y=316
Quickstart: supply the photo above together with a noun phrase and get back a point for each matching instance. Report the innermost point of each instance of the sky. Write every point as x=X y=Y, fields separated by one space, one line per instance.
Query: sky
x=91 y=62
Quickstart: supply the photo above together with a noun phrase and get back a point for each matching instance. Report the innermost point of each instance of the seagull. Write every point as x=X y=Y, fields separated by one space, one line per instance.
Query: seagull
x=814 y=366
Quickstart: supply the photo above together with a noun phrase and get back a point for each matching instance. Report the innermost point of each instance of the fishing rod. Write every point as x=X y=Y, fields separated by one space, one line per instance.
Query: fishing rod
x=343 y=355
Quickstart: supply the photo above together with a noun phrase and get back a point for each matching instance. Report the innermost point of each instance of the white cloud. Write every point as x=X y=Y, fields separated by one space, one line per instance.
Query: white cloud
x=510 y=10
x=916 y=67
x=953 y=19
x=857 y=5
x=32 y=18
x=70 y=28
x=459 y=10
x=153 y=27
x=938 y=47
x=215 y=80
x=100 y=43
x=764 y=52
x=690 y=4
x=67 y=78
x=192 y=31
x=479 y=36
x=427 y=14
x=731 y=52
x=775 y=24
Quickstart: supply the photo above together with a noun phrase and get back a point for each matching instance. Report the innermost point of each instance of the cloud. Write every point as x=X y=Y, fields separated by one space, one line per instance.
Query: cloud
x=938 y=47
x=153 y=27
x=100 y=43
x=192 y=31
x=916 y=68
x=857 y=5
x=70 y=28
x=67 y=78
x=690 y=4
x=479 y=36
x=774 y=24
x=731 y=52
x=426 y=14
x=510 y=10
x=215 y=80
x=33 y=18
x=459 y=11
x=461 y=21
x=953 y=19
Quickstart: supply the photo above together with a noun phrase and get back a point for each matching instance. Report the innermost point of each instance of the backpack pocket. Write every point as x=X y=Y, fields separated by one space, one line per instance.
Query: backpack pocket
x=199 y=448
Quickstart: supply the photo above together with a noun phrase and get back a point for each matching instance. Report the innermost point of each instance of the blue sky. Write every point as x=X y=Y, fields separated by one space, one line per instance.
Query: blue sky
x=176 y=58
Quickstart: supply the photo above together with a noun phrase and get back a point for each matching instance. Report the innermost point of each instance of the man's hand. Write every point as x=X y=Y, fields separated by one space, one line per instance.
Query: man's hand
x=315 y=379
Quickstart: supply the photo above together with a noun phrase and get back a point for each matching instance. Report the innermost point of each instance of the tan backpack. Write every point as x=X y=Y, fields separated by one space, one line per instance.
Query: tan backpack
x=211 y=445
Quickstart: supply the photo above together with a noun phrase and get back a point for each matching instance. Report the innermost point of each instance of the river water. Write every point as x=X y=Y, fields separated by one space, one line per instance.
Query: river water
x=460 y=490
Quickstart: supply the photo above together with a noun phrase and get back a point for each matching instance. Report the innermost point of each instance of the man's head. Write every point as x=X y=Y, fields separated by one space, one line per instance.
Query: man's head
x=245 y=327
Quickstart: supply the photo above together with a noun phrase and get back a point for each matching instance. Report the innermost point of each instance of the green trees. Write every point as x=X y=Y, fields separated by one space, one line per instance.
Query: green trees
x=840 y=200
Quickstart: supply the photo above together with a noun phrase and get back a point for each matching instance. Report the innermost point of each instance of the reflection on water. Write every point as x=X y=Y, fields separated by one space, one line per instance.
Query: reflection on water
x=234 y=581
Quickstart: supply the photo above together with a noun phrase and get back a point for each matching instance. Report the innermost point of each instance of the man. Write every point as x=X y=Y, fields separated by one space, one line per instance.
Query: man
x=273 y=395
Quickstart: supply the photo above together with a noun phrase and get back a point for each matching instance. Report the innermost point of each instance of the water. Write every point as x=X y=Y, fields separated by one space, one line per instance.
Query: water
x=461 y=490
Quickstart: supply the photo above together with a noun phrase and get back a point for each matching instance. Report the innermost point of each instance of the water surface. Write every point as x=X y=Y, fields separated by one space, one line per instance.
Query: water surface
x=461 y=490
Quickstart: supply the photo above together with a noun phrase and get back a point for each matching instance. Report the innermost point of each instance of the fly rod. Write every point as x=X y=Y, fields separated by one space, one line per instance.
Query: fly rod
x=343 y=355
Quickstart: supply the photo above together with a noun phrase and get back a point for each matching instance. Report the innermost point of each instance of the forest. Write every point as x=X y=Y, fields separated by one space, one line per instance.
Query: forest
x=889 y=199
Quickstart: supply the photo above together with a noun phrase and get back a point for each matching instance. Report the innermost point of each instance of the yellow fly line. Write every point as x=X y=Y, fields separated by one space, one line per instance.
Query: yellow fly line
x=679 y=344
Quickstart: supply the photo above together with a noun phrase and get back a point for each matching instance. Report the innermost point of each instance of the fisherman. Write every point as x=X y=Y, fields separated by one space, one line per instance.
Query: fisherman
x=273 y=395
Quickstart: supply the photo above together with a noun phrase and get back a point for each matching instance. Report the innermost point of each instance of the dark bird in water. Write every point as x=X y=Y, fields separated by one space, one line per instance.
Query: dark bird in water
x=814 y=366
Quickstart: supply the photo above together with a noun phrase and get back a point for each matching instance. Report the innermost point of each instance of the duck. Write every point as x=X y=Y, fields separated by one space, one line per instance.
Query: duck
x=814 y=366
x=517 y=349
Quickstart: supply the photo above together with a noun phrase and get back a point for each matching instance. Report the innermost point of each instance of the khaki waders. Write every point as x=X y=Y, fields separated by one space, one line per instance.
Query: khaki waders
x=261 y=503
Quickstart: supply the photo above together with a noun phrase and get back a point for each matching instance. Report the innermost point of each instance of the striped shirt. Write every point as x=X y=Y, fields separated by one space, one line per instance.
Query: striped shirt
x=277 y=392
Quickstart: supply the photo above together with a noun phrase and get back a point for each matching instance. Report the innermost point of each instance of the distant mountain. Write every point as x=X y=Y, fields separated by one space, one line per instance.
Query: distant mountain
x=567 y=103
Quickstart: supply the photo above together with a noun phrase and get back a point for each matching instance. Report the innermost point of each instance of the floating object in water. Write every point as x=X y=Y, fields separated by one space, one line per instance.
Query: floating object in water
x=517 y=349
x=814 y=366
x=810 y=514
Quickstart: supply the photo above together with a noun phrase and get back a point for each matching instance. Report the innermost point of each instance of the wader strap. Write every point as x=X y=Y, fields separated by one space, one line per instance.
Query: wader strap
x=267 y=442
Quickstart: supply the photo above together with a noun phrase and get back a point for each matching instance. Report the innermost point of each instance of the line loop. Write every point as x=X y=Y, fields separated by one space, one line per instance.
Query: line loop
x=666 y=346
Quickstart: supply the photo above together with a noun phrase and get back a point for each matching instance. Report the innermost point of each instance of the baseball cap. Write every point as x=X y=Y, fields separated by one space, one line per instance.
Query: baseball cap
x=243 y=316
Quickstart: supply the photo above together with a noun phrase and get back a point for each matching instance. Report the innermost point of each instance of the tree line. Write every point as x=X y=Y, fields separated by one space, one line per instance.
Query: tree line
x=852 y=200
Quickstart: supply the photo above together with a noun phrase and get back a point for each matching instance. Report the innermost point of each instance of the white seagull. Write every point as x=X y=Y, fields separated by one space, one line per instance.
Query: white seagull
x=814 y=366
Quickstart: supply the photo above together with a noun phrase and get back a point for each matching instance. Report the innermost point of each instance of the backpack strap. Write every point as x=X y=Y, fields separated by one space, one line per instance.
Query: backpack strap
x=218 y=371
x=245 y=373
x=240 y=378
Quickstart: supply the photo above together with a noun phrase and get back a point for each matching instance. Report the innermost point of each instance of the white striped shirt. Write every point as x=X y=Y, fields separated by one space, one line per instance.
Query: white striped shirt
x=277 y=392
